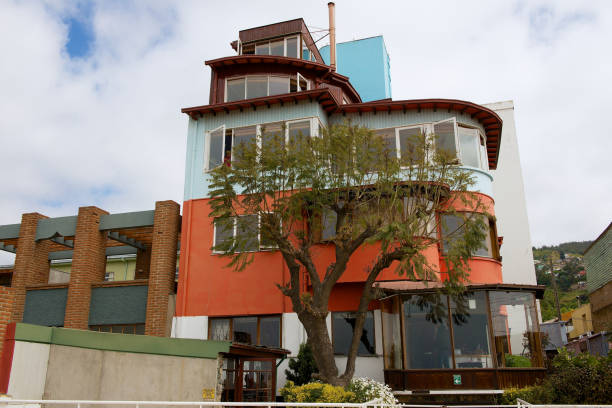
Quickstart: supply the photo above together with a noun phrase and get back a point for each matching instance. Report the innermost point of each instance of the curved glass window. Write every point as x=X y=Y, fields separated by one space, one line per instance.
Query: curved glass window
x=471 y=338
x=426 y=332
x=515 y=329
x=257 y=86
x=453 y=230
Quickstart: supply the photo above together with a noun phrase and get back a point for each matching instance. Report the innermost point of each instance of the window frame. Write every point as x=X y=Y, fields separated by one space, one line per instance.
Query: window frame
x=260 y=248
x=207 y=148
x=492 y=227
x=259 y=317
x=376 y=354
x=298 y=75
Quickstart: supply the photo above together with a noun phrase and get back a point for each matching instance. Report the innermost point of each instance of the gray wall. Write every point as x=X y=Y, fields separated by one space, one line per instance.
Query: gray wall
x=80 y=373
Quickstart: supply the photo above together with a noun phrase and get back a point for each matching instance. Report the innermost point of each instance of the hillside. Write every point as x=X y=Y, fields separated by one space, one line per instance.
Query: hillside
x=569 y=270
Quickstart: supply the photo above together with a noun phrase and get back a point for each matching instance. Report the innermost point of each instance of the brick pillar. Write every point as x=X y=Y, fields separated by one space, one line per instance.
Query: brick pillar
x=143 y=263
x=163 y=266
x=31 y=262
x=88 y=266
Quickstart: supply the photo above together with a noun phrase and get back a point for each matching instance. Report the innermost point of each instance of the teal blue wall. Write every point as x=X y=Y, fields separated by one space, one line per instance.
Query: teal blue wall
x=366 y=63
x=118 y=305
x=45 y=307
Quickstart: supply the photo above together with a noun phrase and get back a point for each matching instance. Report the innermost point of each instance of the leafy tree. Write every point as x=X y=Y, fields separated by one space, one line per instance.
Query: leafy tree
x=352 y=177
x=303 y=367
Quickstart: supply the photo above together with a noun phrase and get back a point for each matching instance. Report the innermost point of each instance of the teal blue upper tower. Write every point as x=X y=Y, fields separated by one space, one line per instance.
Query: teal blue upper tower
x=366 y=63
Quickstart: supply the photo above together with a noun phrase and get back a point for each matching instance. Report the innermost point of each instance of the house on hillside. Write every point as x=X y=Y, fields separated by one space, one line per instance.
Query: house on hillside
x=279 y=79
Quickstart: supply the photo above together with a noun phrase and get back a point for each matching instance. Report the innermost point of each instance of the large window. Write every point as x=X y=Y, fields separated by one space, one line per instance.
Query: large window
x=245 y=232
x=466 y=143
x=453 y=229
x=426 y=333
x=343 y=324
x=137 y=328
x=221 y=141
x=256 y=330
x=471 y=331
x=515 y=329
x=257 y=86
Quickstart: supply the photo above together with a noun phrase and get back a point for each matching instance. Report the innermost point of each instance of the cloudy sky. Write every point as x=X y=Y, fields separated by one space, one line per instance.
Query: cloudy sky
x=90 y=92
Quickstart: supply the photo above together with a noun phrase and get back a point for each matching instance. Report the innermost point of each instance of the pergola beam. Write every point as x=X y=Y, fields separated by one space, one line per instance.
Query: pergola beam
x=66 y=242
x=126 y=240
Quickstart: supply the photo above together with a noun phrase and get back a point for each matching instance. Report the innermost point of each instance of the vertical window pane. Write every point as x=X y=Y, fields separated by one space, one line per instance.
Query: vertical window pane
x=219 y=329
x=215 y=149
x=302 y=83
x=470 y=146
x=328 y=221
x=277 y=48
x=227 y=149
x=305 y=51
x=257 y=86
x=273 y=139
x=388 y=137
x=292 y=47
x=484 y=160
x=409 y=145
x=245 y=136
x=262 y=48
x=298 y=130
x=269 y=331
x=279 y=85
x=452 y=230
x=445 y=137
x=343 y=324
x=427 y=334
x=514 y=328
x=235 y=90
x=224 y=230
x=471 y=332
x=392 y=334
x=246 y=233
x=245 y=330
x=265 y=240
x=486 y=248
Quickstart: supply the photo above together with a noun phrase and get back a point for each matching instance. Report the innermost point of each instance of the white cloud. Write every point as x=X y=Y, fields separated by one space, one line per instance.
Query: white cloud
x=107 y=130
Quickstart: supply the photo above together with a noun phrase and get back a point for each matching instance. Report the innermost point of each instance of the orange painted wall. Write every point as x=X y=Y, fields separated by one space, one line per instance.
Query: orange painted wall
x=208 y=287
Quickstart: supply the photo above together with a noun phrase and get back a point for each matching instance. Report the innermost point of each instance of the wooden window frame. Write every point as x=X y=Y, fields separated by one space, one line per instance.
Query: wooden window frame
x=259 y=317
x=207 y=138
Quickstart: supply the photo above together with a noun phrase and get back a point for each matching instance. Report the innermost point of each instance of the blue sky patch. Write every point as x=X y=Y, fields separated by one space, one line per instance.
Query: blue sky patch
x=80 y=32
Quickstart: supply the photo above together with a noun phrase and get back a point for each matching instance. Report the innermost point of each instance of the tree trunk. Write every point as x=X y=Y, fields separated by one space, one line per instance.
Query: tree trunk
x=320 y=342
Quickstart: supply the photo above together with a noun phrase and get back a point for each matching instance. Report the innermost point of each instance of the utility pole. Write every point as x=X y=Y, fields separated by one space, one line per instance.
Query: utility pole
x=554 y=283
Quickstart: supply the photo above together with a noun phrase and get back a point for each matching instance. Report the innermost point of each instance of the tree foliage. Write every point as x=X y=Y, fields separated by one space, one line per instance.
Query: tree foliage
x=303 y=367
x=352 y=176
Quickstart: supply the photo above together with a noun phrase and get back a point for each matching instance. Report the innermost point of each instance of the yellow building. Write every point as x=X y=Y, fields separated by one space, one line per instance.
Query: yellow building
x=580 y=319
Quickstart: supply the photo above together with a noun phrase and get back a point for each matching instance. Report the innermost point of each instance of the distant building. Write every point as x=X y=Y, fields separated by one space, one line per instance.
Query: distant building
x=580 y=320
x=598 y=265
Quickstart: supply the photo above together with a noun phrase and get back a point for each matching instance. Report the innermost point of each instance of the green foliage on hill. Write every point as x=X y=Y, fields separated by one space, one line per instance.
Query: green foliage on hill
x=567 y=302
x=574 y=247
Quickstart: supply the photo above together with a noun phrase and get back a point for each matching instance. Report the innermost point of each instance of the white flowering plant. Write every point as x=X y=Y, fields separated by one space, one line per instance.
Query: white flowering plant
x=366 y=389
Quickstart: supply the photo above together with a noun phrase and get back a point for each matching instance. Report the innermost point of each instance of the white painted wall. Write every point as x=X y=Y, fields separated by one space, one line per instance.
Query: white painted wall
x=28 y=370
x=190 y=327
x=510 y=203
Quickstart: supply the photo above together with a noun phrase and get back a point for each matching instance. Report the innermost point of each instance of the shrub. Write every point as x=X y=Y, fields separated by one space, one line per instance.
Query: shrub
x=315 y=392
x=366 y=389
x=575 y=379
x=303 y=367
x=517 y=361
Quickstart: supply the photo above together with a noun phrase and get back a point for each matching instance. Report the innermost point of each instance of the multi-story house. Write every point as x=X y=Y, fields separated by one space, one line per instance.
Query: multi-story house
x=279 y=79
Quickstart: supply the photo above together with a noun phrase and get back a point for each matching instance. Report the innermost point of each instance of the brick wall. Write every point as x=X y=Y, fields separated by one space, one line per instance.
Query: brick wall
x=163 y=266
x=7 y=299
x=88 y=266
x=31 y=262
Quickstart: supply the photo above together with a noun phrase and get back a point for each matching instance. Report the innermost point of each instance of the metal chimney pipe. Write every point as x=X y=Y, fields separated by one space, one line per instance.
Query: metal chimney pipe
x=332 y=34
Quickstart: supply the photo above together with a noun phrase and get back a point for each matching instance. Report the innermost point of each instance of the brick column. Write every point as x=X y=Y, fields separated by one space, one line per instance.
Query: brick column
x=31 y=262
x=7 y=300
x=88 y=266
x=163 y=266
x=143 y=263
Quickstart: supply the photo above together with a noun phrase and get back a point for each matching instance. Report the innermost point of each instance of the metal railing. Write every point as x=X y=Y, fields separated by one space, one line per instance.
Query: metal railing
x=14 y=403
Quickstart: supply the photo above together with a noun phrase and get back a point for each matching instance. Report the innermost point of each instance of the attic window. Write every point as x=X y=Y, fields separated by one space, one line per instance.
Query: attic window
x=283 y=47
